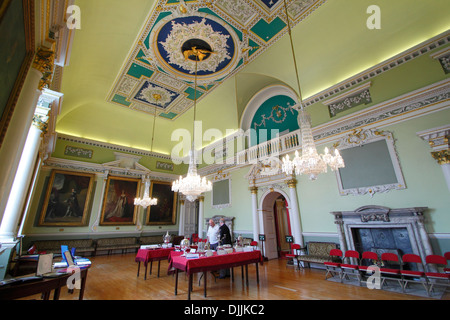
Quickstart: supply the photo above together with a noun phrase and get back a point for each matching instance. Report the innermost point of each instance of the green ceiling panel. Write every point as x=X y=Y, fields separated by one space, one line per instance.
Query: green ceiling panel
x=191 y=93
x=122 y=100
x=138 y=71
x=169 y=115
x=266 y=31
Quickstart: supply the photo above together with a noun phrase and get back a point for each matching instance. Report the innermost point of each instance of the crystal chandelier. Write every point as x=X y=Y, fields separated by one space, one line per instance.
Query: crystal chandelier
x=310 y=162
x=146 y=201
x=193 y=185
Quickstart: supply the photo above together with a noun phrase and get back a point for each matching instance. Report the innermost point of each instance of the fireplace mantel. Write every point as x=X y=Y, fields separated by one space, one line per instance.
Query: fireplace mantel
x=411 y=219
x=378 y=214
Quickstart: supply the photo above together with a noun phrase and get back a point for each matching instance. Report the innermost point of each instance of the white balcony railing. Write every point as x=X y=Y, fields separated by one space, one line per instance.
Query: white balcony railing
x=275 y=147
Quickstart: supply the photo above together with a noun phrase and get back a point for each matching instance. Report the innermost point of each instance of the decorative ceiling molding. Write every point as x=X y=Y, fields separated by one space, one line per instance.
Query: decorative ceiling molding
x=413 y=53
x=235 y=31
x=117 y=148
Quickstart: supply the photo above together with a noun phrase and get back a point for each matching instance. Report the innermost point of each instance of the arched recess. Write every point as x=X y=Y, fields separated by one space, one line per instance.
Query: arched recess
x=270 y=222
x=270 y=109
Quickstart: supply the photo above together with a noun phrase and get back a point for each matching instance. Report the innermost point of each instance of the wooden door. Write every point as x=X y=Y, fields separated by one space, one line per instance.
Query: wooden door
x=270 y=251
x=190 y=218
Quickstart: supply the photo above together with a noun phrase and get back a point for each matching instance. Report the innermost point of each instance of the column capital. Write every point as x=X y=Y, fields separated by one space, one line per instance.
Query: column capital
x=201 y=198
x=292 y=183
x=44 y=62
x=253 y=190
x=182 y=202
x=442 y=157
x=40 y=122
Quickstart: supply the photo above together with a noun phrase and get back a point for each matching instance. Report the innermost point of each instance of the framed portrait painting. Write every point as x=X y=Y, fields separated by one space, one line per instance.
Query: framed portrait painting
x=165 y=211
x=118 y=201
x=67 y=199
x=16 y=55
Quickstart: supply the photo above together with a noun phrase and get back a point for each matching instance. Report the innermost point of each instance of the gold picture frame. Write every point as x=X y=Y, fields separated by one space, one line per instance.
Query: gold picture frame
x=18 y=50
x=165 y=211
x=67 y=199
x=118 y=201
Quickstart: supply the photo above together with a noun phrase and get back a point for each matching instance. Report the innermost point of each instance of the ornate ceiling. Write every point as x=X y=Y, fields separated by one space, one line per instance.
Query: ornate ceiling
x=158 y=76
x=127 y=60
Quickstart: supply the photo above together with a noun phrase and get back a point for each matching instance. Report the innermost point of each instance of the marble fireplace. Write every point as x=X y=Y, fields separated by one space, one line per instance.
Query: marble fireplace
x=381 y=229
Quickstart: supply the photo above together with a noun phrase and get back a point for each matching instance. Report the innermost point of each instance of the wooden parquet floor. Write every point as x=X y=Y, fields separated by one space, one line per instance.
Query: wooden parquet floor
x=115 y=278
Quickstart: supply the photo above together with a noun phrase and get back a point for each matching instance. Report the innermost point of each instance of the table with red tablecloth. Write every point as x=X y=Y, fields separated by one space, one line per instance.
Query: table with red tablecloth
x=216 y=262
x=150 y=255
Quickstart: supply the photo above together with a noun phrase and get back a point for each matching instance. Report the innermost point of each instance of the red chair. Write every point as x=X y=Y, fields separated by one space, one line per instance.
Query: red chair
x=370 y=256
x=447 y=256
x=434 y=277
x=295 y=252
x=413 y=275
x=351 y=269
x=391 y=273
x=333 y=267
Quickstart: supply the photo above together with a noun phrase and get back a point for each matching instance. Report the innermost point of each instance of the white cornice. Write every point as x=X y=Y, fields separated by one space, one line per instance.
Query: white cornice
x=116 y=147
x=400 y=59
x=107 y=168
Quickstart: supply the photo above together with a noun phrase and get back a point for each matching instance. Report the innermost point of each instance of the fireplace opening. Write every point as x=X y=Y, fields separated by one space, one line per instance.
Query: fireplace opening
x=381 y=240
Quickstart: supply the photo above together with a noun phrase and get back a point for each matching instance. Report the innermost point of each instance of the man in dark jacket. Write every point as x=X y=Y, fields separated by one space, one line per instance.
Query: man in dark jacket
x=224 y=232
x=224 y=238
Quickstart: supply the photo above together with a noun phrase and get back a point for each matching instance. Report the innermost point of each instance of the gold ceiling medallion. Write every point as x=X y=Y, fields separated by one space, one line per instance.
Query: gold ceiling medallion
x=200 y=54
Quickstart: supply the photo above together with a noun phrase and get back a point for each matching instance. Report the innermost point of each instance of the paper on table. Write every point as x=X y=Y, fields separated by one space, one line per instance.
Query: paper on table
x=44 y=264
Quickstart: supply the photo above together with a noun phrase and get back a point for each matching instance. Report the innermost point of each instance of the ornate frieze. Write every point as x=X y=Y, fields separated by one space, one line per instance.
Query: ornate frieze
x=443 y=57
x=355 y=97
x=350 y=102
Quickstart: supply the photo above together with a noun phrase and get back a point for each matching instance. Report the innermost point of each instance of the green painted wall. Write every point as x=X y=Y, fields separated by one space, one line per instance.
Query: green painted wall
x=241 y=206
x=424 y=179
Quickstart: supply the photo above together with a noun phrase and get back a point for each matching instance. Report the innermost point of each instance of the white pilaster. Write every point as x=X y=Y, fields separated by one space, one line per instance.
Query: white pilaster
x=254 y=192
x=182 y=218
x=295 y=212
x=16 y=135
x=20 y=185
x=201 y=209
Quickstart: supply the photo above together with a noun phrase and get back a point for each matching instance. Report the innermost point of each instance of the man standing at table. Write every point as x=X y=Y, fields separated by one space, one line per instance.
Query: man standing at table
x=225 y=238
x=213 y=234
x=224 y=232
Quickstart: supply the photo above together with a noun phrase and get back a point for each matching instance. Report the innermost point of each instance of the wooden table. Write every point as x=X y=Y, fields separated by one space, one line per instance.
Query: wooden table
x=213 y=263
x=43 y=286
x=150 y=255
